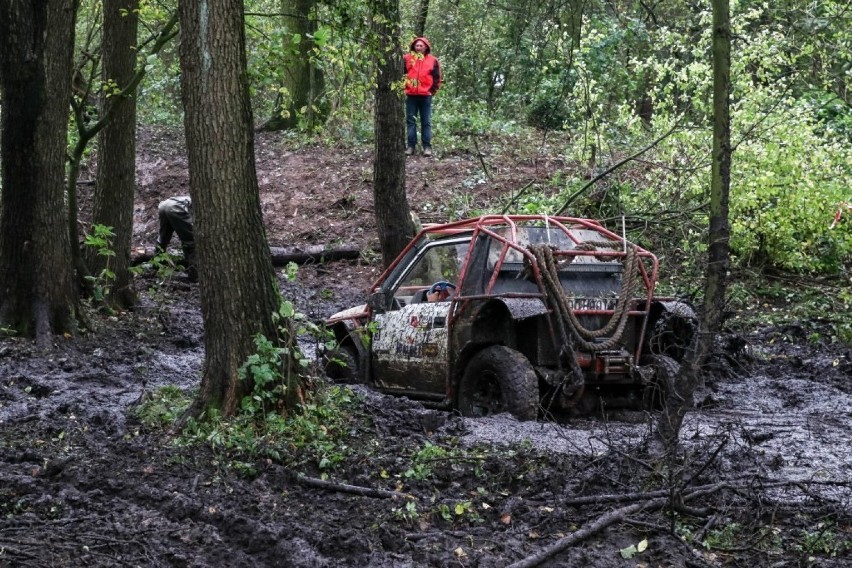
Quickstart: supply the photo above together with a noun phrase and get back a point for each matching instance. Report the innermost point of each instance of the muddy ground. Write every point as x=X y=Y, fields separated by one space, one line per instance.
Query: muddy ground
x=84 y=483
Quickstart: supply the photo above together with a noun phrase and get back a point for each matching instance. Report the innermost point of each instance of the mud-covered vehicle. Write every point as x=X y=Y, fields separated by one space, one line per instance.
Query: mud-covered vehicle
x=525 y=314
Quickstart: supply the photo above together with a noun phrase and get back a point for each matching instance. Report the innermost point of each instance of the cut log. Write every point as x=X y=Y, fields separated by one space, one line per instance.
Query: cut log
x=281 y=256
x=314 y=253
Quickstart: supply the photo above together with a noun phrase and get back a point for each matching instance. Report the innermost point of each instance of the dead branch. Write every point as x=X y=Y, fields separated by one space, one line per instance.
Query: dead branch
x=600 y=499
x=610 y=518
x=614 y=167
x=352 y=489
x=614 y=516
x=316 y=253
x=281 y=256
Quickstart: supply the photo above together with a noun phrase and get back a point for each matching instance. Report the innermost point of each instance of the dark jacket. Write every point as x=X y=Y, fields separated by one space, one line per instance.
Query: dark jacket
x=422 y=74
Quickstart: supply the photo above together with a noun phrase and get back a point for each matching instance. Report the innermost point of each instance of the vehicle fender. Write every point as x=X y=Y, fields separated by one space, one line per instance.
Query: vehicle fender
x=489 y=323
x=523 y=308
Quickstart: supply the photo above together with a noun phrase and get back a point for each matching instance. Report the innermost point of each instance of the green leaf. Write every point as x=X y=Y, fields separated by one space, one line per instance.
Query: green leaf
x=628 y=552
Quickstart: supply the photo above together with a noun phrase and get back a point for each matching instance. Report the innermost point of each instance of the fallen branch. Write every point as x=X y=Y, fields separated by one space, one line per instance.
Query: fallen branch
x=315 y=253
x=281 y=256
x=610 y=518
x=600 y=523
x=352 y=489
x=600 y=499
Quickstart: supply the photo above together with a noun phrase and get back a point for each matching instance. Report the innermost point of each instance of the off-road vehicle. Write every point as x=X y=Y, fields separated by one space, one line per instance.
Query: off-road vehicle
x=526 y=314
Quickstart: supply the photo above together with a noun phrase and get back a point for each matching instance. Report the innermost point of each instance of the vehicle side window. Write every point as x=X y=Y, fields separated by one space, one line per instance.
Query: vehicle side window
x=439 y=262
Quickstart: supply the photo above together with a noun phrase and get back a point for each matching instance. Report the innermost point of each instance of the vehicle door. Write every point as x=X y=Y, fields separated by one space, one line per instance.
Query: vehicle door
x=409 y=342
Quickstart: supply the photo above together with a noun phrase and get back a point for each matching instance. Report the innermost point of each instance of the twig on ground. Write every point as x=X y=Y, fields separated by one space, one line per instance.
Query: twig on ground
x=702 y=532
x=352 y=489
x=598 y=525
x=614 y=516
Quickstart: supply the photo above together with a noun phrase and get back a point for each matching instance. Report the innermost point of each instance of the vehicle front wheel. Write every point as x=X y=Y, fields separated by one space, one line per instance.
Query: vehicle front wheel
x=343 y=364
x=499 y=379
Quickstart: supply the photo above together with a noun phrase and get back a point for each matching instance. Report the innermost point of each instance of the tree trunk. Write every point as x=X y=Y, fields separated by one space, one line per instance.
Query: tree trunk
x=237 y=283
x=680 y=400
x=37 y=294
x=422 y=16
x=116 y=176
x=396 y=228
x=302 y=80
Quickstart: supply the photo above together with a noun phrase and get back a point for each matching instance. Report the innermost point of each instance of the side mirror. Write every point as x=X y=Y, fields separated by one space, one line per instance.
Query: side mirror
x=379 y=301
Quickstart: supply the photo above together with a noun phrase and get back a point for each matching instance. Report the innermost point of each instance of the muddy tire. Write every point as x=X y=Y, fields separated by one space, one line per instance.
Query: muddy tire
x=666 y=371
x=343 y=364
x=673 y=330
x=499 y=379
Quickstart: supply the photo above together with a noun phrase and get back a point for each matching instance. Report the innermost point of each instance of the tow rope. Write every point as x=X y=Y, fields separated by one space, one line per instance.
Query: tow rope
x=560 y=299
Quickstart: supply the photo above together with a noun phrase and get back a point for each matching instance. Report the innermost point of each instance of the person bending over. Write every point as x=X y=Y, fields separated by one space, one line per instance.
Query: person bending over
x=176 y=217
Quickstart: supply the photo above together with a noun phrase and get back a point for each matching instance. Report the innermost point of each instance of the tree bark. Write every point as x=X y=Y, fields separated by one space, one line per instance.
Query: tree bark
x=37 y=293
x=393 y=217
x=116 y=175
x=679 y=401
x=303 y=81
x=422 y=16
x=237 y=283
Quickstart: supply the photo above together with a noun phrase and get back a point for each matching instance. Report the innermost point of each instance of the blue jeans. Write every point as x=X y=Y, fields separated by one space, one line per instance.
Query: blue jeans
x=422 y=105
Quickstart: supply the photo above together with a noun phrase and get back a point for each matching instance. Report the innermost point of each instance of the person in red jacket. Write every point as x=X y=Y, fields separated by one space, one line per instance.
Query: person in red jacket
x=422 y=80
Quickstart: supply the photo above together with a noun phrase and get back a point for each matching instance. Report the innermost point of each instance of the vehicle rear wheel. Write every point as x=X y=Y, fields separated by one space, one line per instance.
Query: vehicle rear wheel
x=343 y=364
x=499 y=379
x=666 y=371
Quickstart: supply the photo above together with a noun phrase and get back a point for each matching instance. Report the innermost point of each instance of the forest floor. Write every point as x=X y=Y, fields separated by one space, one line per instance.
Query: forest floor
x=767 y=452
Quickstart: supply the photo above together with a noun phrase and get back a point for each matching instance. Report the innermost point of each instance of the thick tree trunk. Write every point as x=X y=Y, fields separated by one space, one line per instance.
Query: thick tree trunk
x=396 y=227
x=680 y=400
x=238 y=293
x=303 y=81
x=116 y=177
x=37 y=294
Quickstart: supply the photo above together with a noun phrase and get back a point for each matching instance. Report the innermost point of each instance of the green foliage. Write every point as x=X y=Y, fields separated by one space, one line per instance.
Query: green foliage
x=421 y=467
x=549 y=109
x=100 y=239
x=460 y=511
x=317 y=433
x=819 y=309
x=824 y=540
x=161 y=408
x=727 y=536
x=407 y=513
x=267 y=425
x=165 y=265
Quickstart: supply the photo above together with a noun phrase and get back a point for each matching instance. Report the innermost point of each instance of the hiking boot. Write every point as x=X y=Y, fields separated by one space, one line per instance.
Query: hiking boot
x=409 y=151
x=427 y=152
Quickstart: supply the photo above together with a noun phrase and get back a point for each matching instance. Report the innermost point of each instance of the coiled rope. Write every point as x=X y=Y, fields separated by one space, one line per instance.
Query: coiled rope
x=560 y=300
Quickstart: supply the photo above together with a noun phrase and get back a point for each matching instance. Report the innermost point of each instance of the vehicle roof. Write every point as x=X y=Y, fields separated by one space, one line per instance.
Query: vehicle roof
x=508 y=227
